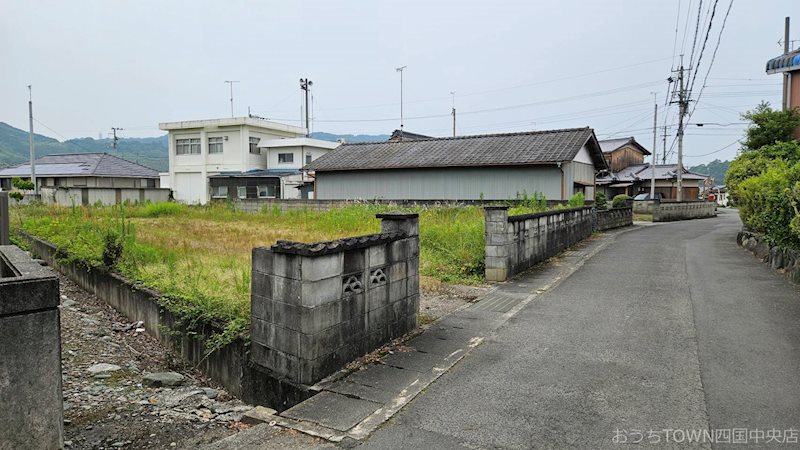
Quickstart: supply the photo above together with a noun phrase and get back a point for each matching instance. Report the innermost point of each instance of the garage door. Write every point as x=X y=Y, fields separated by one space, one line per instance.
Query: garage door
x=189 y=188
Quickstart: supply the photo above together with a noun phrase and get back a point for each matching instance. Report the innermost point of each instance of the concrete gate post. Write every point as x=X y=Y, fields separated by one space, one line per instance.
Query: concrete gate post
x=497 y=240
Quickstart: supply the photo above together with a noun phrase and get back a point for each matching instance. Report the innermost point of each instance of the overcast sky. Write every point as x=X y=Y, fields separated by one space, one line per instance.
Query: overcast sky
x=514 y=65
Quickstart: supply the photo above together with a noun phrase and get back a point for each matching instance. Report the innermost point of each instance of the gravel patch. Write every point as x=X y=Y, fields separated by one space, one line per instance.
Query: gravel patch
x=108 y=403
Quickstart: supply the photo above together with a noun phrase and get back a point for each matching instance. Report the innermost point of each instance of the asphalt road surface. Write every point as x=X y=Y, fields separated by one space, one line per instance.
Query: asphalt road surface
x=672 y=333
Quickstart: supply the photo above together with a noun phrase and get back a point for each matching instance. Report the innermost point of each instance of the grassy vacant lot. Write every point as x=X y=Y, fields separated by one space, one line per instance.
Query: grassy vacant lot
x=199 y=257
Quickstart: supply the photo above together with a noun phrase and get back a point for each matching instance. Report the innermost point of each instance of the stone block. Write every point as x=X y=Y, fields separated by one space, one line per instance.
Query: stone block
x=330 y=339
x=262 y=260
x=316 y=268
x=281 y=364
x=413 y=247
x=315 y=293
x=407 y=223
x=378 y=297
x=330 y=314
x=497 y=250
x=287 y=315
x=495 y=274
x=397 y=272
x=498 y=239
x=286 y=290
x=286 y=265
x=398 y=290
x=261 y=307
x=376 y=255
x=354 y=261
x=496 y=262
x=275 y=336
x=412 y=285
x=261 y=284
x=412 y=267
x=397 y=251
x=496 y=227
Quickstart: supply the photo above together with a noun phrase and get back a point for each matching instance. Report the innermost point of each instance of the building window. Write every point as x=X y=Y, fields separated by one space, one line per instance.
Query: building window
x=254 y=146
x=79 y=181
x=187 y=146
x=219 y=191
x=214 y=145
x=285 y=158
x=308 y=158
x=266 y=191
x=241 y=191
x=151 y=183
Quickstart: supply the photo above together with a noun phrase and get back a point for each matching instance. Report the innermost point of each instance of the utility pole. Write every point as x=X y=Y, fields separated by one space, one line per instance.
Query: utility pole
x=400 y=69
x=655 y=152
x=305 y=85
x=30 y=141
x=786 y=47
x=664 y=148
x=115 y=138
x=683 y=102
x=230 y=82
x=453 y=93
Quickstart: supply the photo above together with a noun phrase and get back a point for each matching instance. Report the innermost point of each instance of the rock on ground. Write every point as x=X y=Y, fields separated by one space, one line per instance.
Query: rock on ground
x=106 y=402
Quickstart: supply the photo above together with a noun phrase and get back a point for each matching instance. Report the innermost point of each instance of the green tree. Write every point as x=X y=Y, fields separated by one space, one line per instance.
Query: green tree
x=769 y=126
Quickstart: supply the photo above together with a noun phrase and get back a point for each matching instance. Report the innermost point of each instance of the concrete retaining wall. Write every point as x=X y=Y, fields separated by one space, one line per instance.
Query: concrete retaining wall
x=516 y=243
x=228 y=366
x=316 y=307
x=613 y=218
x=670 y=211
x=783 y=260
x=30 y=354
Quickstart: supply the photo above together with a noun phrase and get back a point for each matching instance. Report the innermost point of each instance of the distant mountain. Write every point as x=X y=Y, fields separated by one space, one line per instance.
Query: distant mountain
x=150 y=152
x=715 y=168
x=350 y=137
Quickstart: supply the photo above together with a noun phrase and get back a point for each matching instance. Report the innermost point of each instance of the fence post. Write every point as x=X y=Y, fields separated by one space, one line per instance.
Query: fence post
x=5 y=220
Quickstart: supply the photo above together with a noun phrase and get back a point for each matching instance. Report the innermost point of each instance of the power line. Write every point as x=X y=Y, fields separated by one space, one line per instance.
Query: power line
x=715 y=151
x=713 y=57
x=500 y=108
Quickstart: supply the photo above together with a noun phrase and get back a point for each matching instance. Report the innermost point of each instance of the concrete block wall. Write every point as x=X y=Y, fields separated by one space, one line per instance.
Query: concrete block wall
x=670 y=211
x=316 y=307
x=30 y=354
x=613 y=218
x=516 y=243
x=5 y=220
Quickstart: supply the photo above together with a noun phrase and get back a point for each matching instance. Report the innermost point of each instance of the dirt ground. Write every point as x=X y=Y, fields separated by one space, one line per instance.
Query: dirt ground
x=114 y=409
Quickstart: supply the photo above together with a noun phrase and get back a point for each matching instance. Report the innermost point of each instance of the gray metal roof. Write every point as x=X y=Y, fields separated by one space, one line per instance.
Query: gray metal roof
x=638 y=172
x=609 y=145
x=81 y=165
x=527 y=148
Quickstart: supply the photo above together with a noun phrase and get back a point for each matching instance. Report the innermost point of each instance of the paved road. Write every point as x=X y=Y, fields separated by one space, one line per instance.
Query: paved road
x=671 y=327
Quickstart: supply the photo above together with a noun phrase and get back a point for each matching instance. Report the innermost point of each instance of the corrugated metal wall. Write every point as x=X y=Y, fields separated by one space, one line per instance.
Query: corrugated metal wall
x=456 y=183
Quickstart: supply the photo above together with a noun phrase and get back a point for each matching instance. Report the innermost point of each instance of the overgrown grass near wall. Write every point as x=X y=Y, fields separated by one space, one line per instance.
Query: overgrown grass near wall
x=199 y=257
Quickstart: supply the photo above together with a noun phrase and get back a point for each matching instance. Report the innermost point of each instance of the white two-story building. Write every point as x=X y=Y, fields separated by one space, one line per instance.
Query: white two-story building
x=238 y=157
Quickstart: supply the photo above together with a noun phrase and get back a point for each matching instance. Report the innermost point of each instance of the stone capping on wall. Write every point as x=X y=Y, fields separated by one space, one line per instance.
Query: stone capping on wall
x=338 y=245
x=521 y=217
